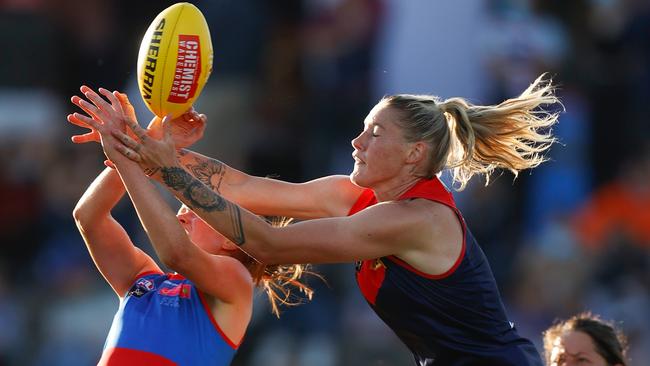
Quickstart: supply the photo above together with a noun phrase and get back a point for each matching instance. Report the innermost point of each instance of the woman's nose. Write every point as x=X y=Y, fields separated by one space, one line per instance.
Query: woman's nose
x=184 y=218
x=356 y=142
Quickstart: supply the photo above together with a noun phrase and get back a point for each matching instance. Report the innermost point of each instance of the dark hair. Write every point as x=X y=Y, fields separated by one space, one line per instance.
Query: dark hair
x=609 y=341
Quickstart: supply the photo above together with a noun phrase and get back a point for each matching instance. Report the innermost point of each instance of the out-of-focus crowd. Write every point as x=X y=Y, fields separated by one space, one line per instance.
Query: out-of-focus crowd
x=292 y=82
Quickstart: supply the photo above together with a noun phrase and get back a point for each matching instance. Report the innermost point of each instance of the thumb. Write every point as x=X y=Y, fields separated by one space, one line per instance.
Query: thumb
x=167 y=128
x=123 y=98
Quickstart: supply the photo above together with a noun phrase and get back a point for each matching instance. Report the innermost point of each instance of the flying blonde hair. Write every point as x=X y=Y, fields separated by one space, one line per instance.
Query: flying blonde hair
x=473 y=139
x=280 y=282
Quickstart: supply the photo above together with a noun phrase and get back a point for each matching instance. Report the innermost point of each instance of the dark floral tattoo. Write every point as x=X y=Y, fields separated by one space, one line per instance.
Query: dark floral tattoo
x=176 y=178
x=204 y=170
x=198 y=195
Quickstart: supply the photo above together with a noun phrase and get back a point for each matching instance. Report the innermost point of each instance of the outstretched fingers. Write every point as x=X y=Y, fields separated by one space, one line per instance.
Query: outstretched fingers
x=140 y=132
x=127 y=141
x=79 y=119
x=97 y=100
x=86 y=137
x=89 y=108
x=115 y=103
x=72 y=119
x=127 y=108
x=130 y=154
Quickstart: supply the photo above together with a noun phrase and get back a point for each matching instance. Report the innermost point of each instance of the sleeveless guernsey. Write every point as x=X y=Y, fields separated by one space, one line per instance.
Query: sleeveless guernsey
x=453 y=318
x=165 y=321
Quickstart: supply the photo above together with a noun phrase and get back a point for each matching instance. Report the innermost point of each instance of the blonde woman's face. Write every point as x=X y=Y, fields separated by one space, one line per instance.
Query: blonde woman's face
x=379 y=150
x=575 y=348
x=202 y=234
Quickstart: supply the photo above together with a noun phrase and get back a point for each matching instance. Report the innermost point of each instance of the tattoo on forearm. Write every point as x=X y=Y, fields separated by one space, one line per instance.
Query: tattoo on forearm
x=198 y=195
x=221 y=173
x=237 y=228
x=151 y=171
x=176 y=178
x=206 y=170
x=202 y=197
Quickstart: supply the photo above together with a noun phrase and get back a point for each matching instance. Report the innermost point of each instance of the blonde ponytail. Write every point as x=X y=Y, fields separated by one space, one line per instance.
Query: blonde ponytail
x=512 y=135
x=478 y=139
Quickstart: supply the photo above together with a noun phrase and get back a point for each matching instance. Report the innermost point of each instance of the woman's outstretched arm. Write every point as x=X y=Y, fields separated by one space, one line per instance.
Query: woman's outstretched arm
x=110 y=247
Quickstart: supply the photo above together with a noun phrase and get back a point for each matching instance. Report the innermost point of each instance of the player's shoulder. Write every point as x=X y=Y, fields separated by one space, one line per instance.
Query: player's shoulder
x=416 y=212
x=344 y=184
x=337 y=193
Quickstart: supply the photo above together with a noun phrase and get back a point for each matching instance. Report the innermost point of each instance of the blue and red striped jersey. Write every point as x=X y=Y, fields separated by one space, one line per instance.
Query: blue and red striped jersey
x=453 y=318
x=164 y=320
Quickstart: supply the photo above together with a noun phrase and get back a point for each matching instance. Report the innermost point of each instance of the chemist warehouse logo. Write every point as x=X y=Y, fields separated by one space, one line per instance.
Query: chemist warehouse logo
x=188 y=69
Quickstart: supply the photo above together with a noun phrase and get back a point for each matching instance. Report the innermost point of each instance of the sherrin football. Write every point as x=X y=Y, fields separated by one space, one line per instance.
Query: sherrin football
x=175 y=60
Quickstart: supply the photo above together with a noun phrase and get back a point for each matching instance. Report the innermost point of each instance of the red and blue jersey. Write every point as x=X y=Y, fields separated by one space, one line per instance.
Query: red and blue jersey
x=164 y=320
x=453 y=318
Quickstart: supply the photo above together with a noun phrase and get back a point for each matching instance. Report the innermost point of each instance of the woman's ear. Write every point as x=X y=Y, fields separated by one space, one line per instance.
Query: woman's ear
x=417 y=152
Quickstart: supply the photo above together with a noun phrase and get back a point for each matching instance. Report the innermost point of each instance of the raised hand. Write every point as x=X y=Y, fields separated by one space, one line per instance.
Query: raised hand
x=150 y=153
x=100 y=110
x=103 y=118
x=111 y=115
x=185 y=129
x=92 y=136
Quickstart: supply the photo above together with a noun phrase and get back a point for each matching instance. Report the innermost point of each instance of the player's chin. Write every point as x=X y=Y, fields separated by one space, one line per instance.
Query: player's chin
x=358 y=177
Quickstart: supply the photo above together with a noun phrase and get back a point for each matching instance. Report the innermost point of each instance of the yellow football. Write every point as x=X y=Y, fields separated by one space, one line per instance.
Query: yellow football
x=175 y=60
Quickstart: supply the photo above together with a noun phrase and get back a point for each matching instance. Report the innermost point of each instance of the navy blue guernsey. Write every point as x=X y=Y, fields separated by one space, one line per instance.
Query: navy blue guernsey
x=451 y=319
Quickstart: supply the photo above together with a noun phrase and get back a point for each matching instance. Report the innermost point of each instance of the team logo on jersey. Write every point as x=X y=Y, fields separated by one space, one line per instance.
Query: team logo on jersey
x=172 y=293
x=141 y=287
x=182 y=290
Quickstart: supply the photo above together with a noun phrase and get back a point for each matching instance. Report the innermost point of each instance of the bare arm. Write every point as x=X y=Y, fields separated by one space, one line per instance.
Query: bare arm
x=384 y=229
x=220 y=276
x=324 y=197
x=110 y=247
x=339 y=239
x=390 y=228
x=223 y=277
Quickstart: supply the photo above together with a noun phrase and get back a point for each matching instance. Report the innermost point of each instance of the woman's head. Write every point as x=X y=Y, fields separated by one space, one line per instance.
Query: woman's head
x=381 y=153
x=584 y=339
x=276 y=280
x=471 y=139
x=203 y=235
